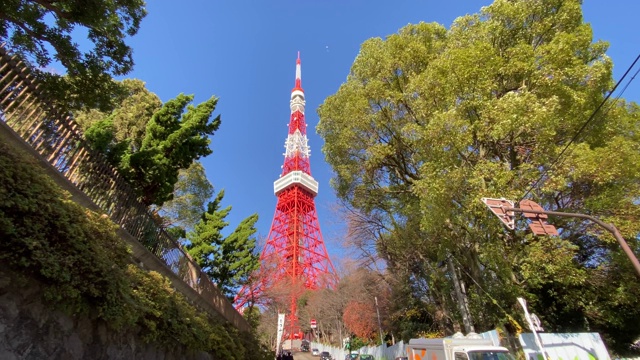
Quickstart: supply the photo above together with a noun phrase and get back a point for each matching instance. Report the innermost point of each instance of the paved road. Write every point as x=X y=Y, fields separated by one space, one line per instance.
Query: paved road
x=304 y=356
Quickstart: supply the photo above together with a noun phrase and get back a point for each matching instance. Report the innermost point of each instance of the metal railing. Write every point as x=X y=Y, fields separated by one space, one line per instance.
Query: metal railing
x=57 y=138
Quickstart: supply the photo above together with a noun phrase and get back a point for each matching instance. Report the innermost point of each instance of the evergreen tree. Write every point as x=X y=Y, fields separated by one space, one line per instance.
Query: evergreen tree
x=133 y=108
x=236 y=258
x=150 y=142
x=173 y=140
x=227 y=260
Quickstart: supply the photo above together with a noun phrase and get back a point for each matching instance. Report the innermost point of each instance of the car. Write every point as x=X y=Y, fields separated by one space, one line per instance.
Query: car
x=366 y=357
x=325 y=355
x=315 y=352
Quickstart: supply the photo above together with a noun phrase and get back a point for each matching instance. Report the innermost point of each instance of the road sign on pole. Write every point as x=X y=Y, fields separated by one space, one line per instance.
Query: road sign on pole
x=505 y=210
x=313 y=323
x=497 y=207
x=539 y=224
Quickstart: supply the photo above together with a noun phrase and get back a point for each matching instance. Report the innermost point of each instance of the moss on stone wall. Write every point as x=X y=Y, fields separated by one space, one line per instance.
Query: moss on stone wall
x=88 y=271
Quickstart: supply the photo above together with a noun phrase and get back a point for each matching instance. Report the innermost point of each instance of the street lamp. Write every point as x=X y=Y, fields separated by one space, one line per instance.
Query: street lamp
x=505 y=210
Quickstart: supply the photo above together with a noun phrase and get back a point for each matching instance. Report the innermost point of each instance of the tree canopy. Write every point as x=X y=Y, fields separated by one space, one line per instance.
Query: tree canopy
x=430 y=120
x=42 y=32
x=46 y=31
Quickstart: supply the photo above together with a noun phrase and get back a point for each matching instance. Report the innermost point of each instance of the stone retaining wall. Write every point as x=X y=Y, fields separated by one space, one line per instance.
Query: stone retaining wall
x=30 y=329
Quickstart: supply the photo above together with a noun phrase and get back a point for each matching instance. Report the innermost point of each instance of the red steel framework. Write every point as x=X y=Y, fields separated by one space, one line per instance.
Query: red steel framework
x=294 y=257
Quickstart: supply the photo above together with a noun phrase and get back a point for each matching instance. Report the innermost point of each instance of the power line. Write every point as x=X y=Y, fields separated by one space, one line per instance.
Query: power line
x=595 y=112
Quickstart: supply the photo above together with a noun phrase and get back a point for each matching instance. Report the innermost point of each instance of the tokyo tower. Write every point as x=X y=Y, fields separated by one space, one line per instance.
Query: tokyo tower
x=294 y=256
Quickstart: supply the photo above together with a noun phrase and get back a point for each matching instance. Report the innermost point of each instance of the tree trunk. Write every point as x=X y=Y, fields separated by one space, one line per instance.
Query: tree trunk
x=463 y=303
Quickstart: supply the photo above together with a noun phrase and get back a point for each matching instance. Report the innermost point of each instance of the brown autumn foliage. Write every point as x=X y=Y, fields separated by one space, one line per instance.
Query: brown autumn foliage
x=358 y=318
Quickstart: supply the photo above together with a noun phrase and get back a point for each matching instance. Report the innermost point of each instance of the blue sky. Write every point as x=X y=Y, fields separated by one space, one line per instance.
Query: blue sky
x=244 y=52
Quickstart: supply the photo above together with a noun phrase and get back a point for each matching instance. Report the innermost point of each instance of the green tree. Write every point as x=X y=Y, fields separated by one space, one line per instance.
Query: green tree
x=190 y=194
x=149 y=142
x=430 y=120
x=41 y=31
x=207 y=232
x=227 y=260
x=173 y=140
x=236 y=258
x=133 y=108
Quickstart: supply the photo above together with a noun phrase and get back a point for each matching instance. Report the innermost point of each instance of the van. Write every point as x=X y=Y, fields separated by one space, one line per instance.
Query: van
x=457 y=347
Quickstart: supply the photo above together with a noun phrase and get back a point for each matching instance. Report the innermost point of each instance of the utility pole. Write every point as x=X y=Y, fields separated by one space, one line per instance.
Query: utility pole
x=379 y=323
x=505 y=210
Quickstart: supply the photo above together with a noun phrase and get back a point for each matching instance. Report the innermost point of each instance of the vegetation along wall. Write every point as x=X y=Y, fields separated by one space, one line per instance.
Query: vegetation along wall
x=68 y=289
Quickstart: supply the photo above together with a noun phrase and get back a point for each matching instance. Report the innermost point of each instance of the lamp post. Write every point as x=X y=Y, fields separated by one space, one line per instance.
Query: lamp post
x=504 y=209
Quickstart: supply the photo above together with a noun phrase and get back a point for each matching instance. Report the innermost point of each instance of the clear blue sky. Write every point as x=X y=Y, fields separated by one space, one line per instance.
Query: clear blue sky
x=244 y=53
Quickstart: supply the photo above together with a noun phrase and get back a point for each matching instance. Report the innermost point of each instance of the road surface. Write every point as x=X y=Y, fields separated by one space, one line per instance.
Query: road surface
x=304 y=356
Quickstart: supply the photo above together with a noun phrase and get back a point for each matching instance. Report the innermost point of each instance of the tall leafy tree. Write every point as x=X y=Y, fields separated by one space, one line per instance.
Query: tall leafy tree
x=430 y=120
x=41 y=31
x=228 y=260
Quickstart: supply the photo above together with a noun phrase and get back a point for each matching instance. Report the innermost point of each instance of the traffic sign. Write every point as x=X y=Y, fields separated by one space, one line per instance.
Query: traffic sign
x=313 y=323
x=539 y=224
x=497 y=206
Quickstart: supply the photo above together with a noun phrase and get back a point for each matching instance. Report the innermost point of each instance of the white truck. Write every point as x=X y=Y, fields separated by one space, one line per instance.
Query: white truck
x=457 y=347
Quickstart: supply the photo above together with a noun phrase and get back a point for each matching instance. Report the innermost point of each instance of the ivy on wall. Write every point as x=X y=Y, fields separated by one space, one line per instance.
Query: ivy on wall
x=87 y=269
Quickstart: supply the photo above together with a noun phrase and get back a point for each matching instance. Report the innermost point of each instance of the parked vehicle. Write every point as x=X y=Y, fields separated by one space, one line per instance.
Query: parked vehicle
x=325 y=355
x=366 y=357
x=458 y=347
x=315 y=352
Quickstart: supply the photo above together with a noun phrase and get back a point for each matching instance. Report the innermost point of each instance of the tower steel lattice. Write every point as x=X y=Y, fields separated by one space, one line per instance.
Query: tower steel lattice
x=294 y=257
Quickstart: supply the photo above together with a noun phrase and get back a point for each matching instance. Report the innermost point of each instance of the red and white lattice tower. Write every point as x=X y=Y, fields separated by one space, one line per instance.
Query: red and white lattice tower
x=294 y=256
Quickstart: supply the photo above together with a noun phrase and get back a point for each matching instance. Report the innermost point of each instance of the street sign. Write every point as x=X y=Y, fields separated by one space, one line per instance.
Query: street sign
x=313 y=323
x=539 y=224
x=541 y=227
x=497 y=207
x=535 y=321
x=530 y=205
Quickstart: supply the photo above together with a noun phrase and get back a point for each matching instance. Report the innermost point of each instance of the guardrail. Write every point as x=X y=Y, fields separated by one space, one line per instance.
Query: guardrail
x=57 y=139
